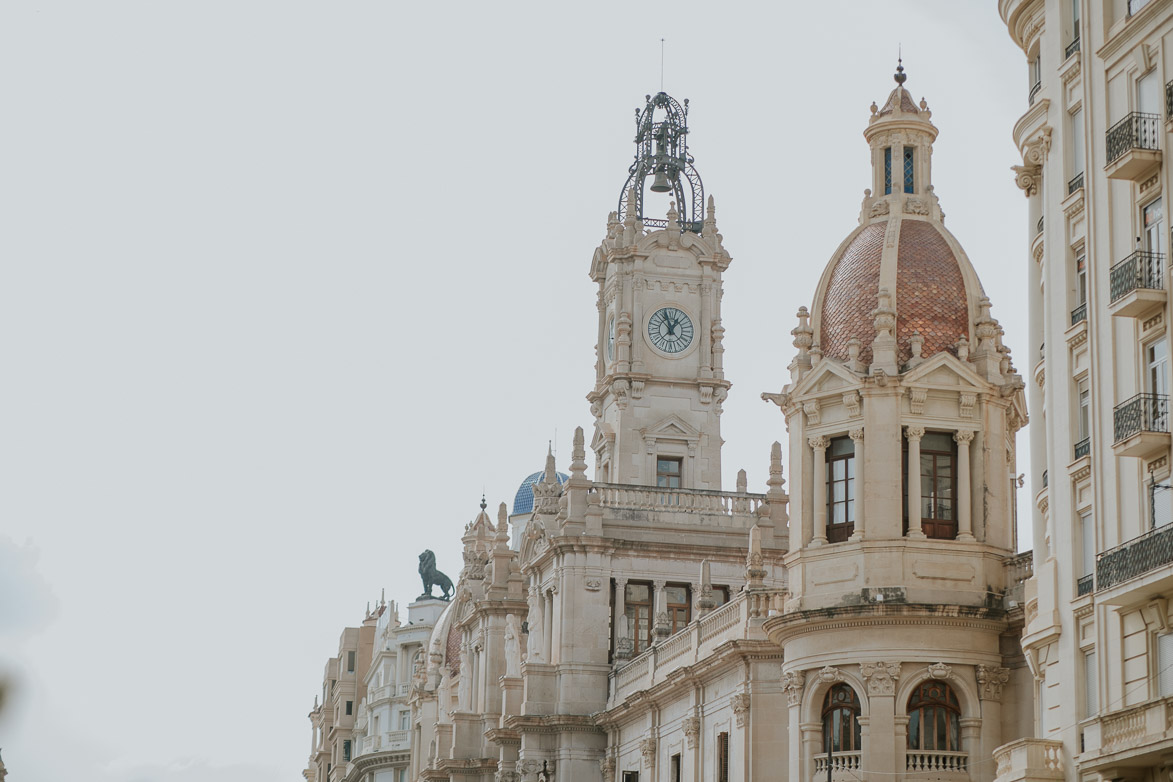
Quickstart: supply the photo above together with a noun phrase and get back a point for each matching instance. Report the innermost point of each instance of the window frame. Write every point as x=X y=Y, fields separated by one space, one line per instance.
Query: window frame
x=848 y=725
x=837 y=532
x=679 y=614
x=945 y=713
x=668 y=476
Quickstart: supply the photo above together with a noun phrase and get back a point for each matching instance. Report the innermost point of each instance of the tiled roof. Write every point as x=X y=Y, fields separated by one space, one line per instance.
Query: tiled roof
x=930 y=291
x=851 y=296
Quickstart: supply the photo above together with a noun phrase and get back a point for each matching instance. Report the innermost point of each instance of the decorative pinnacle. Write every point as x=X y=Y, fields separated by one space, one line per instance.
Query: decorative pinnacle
x=900 y=75
x=483 y=503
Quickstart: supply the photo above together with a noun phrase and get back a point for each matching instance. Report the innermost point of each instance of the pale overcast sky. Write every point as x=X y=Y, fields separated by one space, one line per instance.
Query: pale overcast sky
x=286 y=284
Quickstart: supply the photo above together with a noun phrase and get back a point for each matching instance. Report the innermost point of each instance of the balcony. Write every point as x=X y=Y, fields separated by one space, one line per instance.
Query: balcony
x=1026 y=760
x=1135 y=558
x=1133 y=147
x=1137 y=285
x=1138 y=736
x=1072 y=48
x=1075 y=183
x=1083 y=448
x=1079 y=314
x=1085 y=585
x=937 y=764
x=844 y=766
x=390 y=741
x=737 y=505
x=1169 y=101
x=1141 y=425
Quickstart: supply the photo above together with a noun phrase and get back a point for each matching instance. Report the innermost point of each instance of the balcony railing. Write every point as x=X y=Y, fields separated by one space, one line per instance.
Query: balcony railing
x=1083 y=448
x=1142 y=269
x=847 y=762
x=1072 y=48
x=1075 y=183
x=919 y=762
x=1169 y=100
x=1142 y=413
x=1034 y=91
x=1135 y=131
x=651 y=498
x=1136 y=557
x=1079 y=314
x=1085 y=585
x=1045 y=479
x=1028 y=759
x=1039 y=226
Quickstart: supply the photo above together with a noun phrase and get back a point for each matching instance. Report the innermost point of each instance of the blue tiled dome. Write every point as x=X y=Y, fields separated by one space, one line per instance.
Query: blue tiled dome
x=523 y=501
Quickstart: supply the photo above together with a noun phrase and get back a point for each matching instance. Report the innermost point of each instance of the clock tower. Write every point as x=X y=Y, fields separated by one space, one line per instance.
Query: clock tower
x=659 y=380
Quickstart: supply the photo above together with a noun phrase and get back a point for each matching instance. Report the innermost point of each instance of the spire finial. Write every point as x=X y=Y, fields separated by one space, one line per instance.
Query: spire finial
x=900 y=75
x=483 y=503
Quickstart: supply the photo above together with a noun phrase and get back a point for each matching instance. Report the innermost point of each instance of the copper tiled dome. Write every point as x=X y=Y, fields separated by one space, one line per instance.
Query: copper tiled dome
x=929 y=295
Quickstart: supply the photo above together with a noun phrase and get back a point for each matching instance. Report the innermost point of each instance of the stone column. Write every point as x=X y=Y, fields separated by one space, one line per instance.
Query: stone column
x=660 y=625
x=706 y=329
x=858 y=486
x=819 y=489
x=793 y=682
x=914 y=434
x=990 y=681
x=882 y=755
x=964 y=481
x=620 y=611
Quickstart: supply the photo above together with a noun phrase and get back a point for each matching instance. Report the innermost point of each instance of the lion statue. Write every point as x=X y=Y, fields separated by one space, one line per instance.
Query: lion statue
x=432 y=577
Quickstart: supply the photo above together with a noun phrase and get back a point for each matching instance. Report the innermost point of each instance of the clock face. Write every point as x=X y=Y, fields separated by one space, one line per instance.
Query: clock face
x=611 y=340
x=670 y=330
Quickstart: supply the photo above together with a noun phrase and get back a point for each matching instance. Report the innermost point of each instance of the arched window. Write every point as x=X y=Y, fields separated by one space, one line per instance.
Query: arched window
x=934 y=718
x=841 y=720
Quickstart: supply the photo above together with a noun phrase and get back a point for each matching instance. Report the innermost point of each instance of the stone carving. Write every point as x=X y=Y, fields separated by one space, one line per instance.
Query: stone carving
x=916 y=206
x=692 y=729
x=990 y=680
x=967 y=401
x=811 y=408
x=607 y=767
x=512 y=646
x=963 y=437
x=793 y=682
x=536 y=636
x=914 y=432
x=879 y=209
x=637 y=389
x=916 y=400
x=940 y=671
x=830 y=675
x=1027 y=178
x=851 y=402
x=740 y=703
x=818 y=442
x=593 y=584
x=880 y=677
x=647 y=748
x=433 y=577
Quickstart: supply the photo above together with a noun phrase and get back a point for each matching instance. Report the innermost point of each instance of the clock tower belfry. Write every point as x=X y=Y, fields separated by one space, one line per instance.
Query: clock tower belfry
x=659 y=379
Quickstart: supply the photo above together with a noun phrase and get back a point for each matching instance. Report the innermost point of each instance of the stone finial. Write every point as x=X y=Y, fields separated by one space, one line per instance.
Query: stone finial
x=916 y=344
x=673 y=218
x=853 y=348
x=706 y=602
x=963 y=348
x=578 y=465
x=631 y=218
x=502 y=525
x=775 y=482
x=803 y=333
x=884 y=345
x=742 y=482
x=709 y=228
x=551 y=474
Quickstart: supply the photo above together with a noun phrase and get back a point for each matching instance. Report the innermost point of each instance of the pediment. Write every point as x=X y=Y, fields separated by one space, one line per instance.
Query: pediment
x=945 y=370
x=671 y=427
x=828 y=376
x=604 y=433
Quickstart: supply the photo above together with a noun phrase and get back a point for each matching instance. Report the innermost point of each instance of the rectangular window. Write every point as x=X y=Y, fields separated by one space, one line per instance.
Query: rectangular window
x=674 y=768
x=1081 y=280
x=1075 y=19
x=1148 y=95
x=346 y=749
x=887 y=170
x=1087 y=534
x=722 y=757
x=630 y=776
x=1077 y=148
x=1156 y=359
x=1160 y=501
x=679 y=605
x=637 y=603
x=1083 y=423
x=1152 y=218
x=668 y=472
x=938 y=483
x=840 y=489
x=349 y=708
x=1091 y=703
x=350 y=662
x=1165 y=664
x=908 y=158
x=404 y=720
x=720 y=595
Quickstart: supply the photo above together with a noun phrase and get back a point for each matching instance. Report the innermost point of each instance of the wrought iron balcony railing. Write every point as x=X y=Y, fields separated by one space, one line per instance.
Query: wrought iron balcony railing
x=1085 y=585
x=1083 y=448
x=1135 y=557
x=1142 y=269
x=1034 y=91
x=1142 y=413
x=1169 y=100
x=1072 y=48
x=1045 y=479
x=1075 y=183
x=1135 y=131
x=1039 y=226
x=1079 y=314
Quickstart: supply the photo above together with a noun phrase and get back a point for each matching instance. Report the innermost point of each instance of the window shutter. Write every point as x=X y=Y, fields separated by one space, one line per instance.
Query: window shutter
x=723 y=756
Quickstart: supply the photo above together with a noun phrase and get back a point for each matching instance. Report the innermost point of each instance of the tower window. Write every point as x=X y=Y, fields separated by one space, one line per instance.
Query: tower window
x=908 y=169
x=887 y=170
x=841 y=728
x=840 y=489
x=637 y=604
x=938 y=484
x=350 y=662
x=676 y=599
x=668 y=473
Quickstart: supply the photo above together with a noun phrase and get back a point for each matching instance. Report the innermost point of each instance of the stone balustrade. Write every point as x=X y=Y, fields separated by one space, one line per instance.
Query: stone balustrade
x=936 y=762
x=698 y=501
x=737 y=619
x=1025 y=760
x=844 y=765
x=1128 y=728
x=390 y=741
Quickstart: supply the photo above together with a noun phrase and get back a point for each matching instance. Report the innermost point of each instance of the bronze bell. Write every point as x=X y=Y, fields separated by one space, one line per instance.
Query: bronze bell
x=660 y=183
